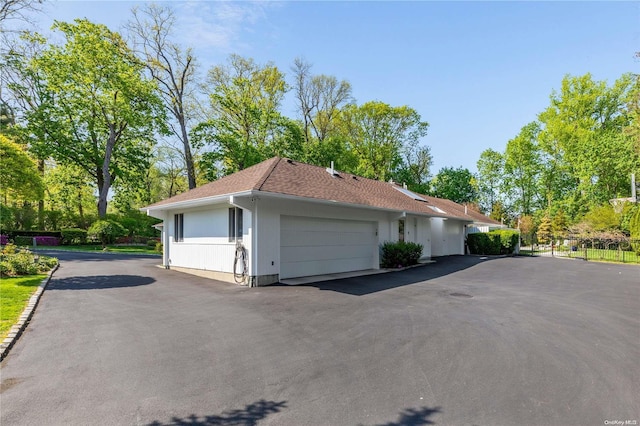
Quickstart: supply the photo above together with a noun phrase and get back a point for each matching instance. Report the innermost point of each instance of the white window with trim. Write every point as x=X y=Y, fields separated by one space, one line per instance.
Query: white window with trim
x=235 y=224
x=178 y=227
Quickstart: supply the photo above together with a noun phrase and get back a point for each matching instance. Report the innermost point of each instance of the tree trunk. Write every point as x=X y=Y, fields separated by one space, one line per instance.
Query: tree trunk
x=41 y=202
x=188 y=158
x=104 y=176
x=80 y=211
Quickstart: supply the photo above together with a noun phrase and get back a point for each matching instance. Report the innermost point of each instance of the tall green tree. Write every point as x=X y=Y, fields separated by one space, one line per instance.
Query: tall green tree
x=69 y=197
x=245 y=125
x=19 y=177
x=172 y=67
x=378 y=133
x=583 y=132
x=415 y=169
x=455 y=185
x=522 y=165
x=490 y=175
x=96 y=108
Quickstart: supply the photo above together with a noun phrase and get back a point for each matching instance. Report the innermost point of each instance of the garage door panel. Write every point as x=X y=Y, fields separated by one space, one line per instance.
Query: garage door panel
x=302 y=253
x=315 y=246
x=320 y=225
x=317 y=267
x=292 y=238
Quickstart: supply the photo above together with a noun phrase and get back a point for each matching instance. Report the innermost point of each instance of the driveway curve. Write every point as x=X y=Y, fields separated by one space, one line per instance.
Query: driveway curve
x=535 y=341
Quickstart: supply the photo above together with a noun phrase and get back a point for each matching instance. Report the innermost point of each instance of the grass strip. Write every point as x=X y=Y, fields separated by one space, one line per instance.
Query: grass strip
x=15 y=296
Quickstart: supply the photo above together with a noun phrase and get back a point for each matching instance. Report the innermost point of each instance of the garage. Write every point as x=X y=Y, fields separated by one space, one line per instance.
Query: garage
x=317 y=246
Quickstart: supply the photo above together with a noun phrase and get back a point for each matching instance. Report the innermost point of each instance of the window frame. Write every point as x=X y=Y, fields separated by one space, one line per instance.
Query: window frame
x=178 y=227
x=236 y=222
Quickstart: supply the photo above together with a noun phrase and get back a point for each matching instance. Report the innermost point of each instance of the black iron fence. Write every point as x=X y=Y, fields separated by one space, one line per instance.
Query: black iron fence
x=614 y=249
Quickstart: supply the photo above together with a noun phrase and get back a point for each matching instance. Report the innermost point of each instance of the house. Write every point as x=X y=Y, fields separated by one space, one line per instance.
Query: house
x=482 y=223
x=284 y=219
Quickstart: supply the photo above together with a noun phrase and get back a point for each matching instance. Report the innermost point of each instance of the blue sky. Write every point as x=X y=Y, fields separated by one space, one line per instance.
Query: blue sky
x=476 y=71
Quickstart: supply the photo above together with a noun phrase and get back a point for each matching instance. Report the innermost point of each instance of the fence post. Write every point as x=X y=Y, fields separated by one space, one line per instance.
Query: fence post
x=584 y=246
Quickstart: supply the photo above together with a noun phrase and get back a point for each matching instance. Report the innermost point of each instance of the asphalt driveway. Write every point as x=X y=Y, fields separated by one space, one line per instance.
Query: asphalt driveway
x=464 y=341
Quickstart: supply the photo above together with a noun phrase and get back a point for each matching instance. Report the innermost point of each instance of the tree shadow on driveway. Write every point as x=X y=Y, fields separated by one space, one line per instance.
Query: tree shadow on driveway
x=360 y=286
x=247 y=416
x=414 y=417
x=98 y=282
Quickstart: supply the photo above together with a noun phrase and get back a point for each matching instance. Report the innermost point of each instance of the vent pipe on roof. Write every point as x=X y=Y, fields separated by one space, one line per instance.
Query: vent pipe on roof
x=634 y=188
x=331 y=170
x=465 y=209
x=404 y=185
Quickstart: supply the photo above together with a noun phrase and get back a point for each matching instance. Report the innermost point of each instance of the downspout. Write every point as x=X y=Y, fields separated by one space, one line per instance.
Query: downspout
x=253 y=272
x=240 y=249
x=165 y=241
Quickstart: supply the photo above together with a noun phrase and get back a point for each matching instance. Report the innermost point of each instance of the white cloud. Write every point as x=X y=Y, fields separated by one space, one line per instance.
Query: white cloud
x=218 y=25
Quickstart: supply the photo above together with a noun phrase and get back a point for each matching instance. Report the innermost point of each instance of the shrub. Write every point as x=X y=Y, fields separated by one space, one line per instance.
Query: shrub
x=73 y=236
x=136 y=224
x=502 y=241
x=152 y=243
x=23 y=262
x=399 y=254
x=106 y=231
x=158 y=246
x=47 y=241
x=508 y=240
x=484 y=243
x=4 y=240
x=23 y=240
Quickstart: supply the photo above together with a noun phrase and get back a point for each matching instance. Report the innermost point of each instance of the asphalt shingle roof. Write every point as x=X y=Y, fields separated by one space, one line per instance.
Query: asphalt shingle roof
x=288 y=177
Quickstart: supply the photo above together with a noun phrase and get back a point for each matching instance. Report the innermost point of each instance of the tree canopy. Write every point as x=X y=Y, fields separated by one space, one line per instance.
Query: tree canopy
x=19 y=178
x=96 y=109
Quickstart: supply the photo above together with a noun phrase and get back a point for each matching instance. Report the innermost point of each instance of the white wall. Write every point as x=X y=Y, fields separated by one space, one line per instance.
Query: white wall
x=454 y=235
x=206 y=242
x=438 y=242
x=268 y=225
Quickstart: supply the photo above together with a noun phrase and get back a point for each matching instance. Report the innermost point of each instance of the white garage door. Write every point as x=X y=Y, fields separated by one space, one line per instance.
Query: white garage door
x=313 y=246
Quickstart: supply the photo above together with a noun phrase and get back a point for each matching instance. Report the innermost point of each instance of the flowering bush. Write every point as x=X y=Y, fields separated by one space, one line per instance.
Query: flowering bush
x=47 y=241
x=4 y=240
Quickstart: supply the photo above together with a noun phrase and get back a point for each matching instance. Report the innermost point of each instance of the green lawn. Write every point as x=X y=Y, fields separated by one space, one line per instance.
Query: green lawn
x=110 y=248
x=15 y=295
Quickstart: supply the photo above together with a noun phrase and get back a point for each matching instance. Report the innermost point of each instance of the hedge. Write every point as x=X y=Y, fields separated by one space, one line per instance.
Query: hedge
x=24 y=233
x=502 y=241
x=399 y=254
x=73 y=236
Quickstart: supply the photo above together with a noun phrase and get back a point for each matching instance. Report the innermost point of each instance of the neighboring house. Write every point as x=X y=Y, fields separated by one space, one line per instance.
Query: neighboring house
x=482 y=223
x=292 y=219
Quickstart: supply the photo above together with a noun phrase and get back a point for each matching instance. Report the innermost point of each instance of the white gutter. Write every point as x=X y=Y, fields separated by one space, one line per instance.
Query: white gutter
x=253 y=193
x=197 y=202
x=277 y=195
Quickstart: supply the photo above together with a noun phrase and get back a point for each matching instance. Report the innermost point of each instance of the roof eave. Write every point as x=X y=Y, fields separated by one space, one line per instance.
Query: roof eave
x=279 y=195
x=204 y=201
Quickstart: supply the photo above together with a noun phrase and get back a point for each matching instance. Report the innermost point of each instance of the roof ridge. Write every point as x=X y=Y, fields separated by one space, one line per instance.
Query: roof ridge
x=267 y=173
